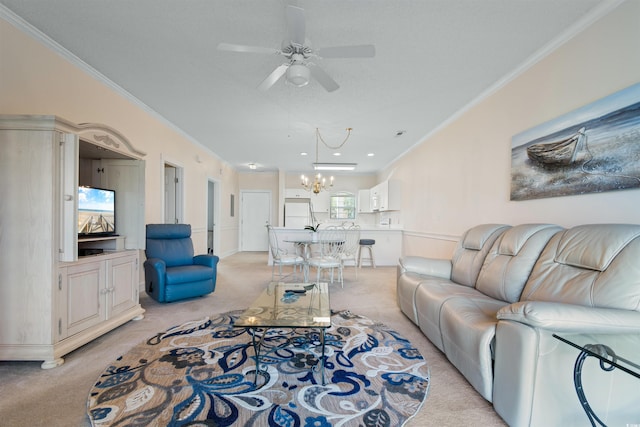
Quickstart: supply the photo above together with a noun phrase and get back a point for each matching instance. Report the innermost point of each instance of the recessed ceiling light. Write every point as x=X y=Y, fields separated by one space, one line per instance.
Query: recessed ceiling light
x=304 y=153
x=337 y=154
x=252 y=166
x=371 y=154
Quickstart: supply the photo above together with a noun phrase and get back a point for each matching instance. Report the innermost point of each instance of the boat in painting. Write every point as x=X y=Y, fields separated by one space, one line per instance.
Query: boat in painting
x=562 y=152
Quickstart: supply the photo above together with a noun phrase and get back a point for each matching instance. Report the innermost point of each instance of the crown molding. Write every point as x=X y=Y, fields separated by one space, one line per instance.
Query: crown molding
x=579 y=26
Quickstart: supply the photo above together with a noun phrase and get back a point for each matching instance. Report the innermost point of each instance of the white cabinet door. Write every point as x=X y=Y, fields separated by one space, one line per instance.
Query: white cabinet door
x=386 y=196
x=296 y=193
x=383 y=192
x=28 y=246
x=320 y=202
x=83 y=289
x=67 y=250
x=122 y=283
x=126 y=177
x=388 y=247
x=375 y=198
x=364 y=201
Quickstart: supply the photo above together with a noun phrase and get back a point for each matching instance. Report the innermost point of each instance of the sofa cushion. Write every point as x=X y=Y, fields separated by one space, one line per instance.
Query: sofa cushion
x=188 y=273
x=430 y=296
x=594 y=247
x=471 y=250
x=508 y=264
x=592 y=266
x=468 y=325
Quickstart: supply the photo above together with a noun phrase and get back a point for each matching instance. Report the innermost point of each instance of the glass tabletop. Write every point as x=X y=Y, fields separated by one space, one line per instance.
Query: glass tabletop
x=606 y=355
x=293 y=305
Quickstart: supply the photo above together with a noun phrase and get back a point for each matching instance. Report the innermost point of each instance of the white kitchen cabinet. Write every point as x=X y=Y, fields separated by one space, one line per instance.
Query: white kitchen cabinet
x=388 y=247
x=51 y=301
x=296 y=193
x=386 y=196
x=364 y=201
x=321 y=202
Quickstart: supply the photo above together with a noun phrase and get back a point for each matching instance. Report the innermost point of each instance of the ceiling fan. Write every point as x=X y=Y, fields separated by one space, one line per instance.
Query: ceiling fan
x=297 y=50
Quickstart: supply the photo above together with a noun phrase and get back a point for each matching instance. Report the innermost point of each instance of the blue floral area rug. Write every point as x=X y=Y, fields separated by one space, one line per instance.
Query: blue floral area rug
x=202 y=373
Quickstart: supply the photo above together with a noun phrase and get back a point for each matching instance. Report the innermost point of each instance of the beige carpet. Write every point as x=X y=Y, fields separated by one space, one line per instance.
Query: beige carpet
x=30 y=396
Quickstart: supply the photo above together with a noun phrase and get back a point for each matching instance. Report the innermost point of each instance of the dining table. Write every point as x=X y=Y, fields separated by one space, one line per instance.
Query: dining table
x=305 y=243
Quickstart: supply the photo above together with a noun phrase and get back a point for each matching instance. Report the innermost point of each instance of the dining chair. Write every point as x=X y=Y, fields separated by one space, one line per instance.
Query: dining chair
x=332 y=243
x=283 y=257
x=351 y=246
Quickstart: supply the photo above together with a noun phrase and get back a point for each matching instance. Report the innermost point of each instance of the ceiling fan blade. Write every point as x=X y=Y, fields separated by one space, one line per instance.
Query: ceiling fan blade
x=323 y=78
x=273 y=77
x=356 y=51
x=244 y=49
x=296 y=25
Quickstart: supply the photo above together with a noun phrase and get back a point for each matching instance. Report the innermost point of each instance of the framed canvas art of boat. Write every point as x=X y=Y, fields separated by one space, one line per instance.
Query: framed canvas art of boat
x=562 y=152
x=593 y=149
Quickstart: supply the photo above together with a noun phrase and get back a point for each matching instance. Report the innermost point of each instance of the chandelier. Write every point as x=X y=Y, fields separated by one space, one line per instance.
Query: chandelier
x=319 y=183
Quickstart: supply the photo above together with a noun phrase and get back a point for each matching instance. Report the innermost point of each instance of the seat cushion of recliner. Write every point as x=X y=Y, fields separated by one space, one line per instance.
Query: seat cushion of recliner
x=430 y=296
x=468 y=325
x=188 y=273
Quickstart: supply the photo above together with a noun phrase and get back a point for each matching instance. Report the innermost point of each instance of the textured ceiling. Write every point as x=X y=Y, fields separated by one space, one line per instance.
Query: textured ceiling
x=433 y=58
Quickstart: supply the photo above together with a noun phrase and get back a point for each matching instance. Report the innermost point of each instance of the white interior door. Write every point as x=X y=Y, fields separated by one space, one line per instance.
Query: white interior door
x=255 y=211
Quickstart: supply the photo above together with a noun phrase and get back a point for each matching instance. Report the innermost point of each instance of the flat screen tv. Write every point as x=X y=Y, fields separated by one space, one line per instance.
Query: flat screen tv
x=96 y=212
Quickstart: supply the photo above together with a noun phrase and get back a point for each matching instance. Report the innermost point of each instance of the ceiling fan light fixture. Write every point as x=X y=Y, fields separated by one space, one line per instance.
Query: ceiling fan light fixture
x=298 y=75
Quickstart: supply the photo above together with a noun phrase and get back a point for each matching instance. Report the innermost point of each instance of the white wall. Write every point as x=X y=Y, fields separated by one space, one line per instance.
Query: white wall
x=36 y=80
x=460 y=176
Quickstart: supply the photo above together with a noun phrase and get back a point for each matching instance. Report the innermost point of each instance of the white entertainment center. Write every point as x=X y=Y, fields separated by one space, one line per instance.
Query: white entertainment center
x=53 y=301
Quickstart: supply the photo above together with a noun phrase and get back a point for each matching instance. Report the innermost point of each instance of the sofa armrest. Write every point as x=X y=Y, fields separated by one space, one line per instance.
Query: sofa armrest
x=562 y=317
x=155 y=273
x=426 y=266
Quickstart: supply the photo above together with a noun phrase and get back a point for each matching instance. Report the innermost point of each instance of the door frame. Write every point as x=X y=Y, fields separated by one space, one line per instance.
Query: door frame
x=216 y=212
x=241 y=212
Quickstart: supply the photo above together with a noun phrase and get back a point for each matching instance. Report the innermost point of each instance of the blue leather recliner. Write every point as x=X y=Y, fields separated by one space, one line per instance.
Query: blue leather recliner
x=171 y=270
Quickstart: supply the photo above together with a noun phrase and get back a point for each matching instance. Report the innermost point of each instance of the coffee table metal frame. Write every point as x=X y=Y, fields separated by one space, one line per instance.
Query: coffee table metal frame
x=287 y=305
x=609 y=360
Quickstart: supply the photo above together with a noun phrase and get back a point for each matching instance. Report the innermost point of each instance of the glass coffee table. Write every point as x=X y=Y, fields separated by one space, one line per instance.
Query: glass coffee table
x=287 y=305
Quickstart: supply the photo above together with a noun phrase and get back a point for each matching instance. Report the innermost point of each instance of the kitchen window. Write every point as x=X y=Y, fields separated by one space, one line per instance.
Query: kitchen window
x=342 y=206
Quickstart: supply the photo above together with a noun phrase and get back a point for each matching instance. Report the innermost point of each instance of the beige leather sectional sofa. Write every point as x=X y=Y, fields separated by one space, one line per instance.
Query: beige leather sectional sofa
x=492 y=309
